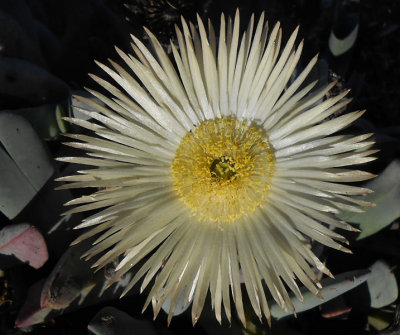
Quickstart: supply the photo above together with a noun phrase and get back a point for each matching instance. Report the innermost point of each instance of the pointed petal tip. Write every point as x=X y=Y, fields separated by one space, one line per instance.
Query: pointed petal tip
x=183 y=20
x=61 y=187
x=97 y=269
x=123 y=295
x=328 y=273
x=346 y=250
x=76 y=96
x=333 y=83
x=269 y=321
x=98 y=63
x=109 y=284
x=113 y=63
x=74 y=242
x=344 y=240
x=362 y=112
x=118 y=50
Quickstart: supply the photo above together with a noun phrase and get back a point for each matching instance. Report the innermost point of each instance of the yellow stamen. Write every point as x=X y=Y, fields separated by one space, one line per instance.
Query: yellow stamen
x=222 y=170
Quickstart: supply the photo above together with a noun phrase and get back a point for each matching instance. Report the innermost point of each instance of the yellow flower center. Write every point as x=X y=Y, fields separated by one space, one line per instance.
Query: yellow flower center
x=222 y=170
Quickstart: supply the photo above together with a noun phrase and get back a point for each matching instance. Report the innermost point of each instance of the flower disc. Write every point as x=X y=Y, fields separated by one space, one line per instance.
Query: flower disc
x=222 y=170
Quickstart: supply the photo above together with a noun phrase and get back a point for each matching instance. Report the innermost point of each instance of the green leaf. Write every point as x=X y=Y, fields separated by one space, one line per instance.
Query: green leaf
x=332 y=288
x=112 y=321
x=25 y=165
x=386 y=196
x=340 y=46
x=382 y=285
x=30 y=83
x=31 y=312
x=47 y=119
x=380 y=319
x=15 y=191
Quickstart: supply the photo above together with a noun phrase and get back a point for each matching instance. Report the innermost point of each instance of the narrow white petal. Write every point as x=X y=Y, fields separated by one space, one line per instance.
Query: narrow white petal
x=215 y=167
x=323 y=129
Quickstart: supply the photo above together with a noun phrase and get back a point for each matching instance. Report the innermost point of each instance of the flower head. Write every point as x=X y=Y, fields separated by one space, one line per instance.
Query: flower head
x=217 y=168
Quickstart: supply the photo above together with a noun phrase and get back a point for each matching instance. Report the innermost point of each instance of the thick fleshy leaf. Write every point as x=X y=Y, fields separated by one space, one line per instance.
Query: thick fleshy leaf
x=386 y=196
x=45 y=209
x=382 y=285
x=15 y=191
x=30 y=83
x=180 y=305
x=31 y=312
x=72 y=278
x=332 y=288
x=25 y=165
x=24 y=242
x=112 y=321
x=339 y=46
x=380 y=318
x=17 y=34
x=47 y=120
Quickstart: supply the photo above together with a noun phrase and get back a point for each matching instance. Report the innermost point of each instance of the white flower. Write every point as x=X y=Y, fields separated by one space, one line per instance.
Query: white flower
x=216 y=165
